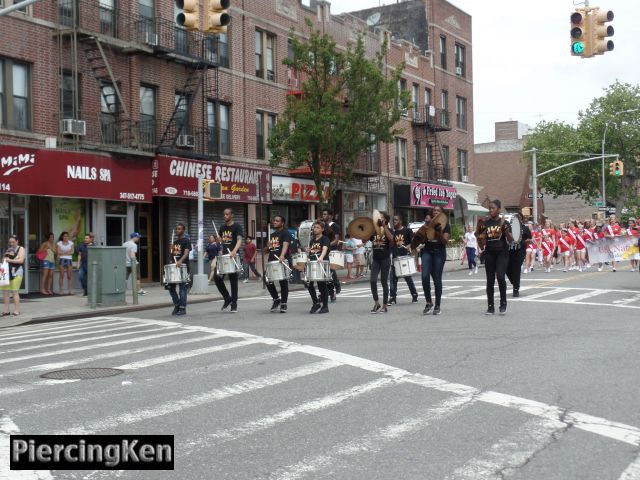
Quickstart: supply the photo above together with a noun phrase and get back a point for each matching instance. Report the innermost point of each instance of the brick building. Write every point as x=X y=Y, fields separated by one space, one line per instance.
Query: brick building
x=108 y=113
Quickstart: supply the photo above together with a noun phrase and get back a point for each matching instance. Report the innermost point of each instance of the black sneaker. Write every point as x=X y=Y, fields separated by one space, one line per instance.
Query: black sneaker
x=175 y=309
x=503 y=309
x=376 y=308
x=338 y=288
x=333 y=297
x=383 y=310
x=324 y=309
x=490 y=311
x=181 y=311
x=414 y=299
x=392 y=301
x=225 y=305
x=275 y=306
x=427 y=308
x=436 y=310
x=234 y=308
x=283 y=308
x=516 y=293
x=315 y=308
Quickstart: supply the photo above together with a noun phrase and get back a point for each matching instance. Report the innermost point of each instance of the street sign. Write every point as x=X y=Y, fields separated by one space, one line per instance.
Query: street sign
x=540 y=195
x=598 y=204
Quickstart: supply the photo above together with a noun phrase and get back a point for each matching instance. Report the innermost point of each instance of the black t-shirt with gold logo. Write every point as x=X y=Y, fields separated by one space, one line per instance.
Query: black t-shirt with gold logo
x=496 y=239
x=401 y=237
x=229 y=236
x=276 y=242
x=381 y=246
x=315 y=247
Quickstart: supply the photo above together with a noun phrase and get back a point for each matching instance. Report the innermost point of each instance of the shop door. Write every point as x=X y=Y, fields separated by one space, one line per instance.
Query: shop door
x=20 y=227
x=145 y=246
x=116 y=231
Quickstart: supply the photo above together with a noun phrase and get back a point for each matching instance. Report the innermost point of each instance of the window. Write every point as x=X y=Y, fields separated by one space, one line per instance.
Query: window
x=218 y=128
x=145 y=7
x=182 y=119
x=461 y=113
x=445 y=160
x=146 y=24
x=109 y=114
x=67 y=90
x=65 y=12
x=429 y=161
x=217 y=49
x=212 y=133
x=415 y=100
x=444 y=102
x=182 y=36
x=108 y=17
x=264 y=127
x=463 y=166
x=401 y=157
x=416 y=159
x=460 y=61
x=148 y=114
x=402 y=87
x=2 y=94
x=15 y=95
x=225 y=138
x=265 y=55
x=443 y=52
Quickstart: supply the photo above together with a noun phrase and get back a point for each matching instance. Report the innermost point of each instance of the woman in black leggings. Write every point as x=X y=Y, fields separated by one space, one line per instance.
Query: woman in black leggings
x=496 y=235
x=381 y=263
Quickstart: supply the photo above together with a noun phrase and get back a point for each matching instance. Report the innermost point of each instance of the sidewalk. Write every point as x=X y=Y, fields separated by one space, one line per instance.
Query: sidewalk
x=38 y=308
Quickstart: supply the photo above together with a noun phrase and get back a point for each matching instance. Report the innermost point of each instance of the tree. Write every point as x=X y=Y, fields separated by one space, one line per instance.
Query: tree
x=622 y=138
x=347 y=105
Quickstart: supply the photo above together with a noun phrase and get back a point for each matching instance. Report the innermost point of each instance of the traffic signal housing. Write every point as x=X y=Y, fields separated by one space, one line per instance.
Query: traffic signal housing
x=217 y=17
x=580 y=34
x=616 y=168
x=189 y=17
x=599 y=31
x=212 y=190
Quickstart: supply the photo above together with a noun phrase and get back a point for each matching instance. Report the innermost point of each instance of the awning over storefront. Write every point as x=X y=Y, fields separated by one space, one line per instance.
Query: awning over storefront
x=57 y=173
x=424 y=195
x=476 y=209
x=287 y=189
x=178 y=177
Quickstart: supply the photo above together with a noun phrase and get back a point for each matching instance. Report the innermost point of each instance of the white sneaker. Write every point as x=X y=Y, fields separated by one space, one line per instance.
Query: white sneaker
x=579 y=269
x=475 y=270
x=599 y=269
x=526 y=270
x=588 y=265
x=633 y=269
x=470 y=272
x=564 y=270
x=246 y=280
x=142 y=292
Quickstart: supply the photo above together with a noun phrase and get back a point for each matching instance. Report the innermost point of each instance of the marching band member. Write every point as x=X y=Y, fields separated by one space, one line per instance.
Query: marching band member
x=589 y=237
x=548 y=247
x=319 y=248
x=334 y=233
x=496 y=252
x=381 y=263
x=401 y=241
x=565 y=246
x=613 y=230
x=632 y=231
x=531 y=248
x=517 y=256
x=231 y=240
x=433 y=256
x=278 y=249
x=180 y=252
x=581 y=247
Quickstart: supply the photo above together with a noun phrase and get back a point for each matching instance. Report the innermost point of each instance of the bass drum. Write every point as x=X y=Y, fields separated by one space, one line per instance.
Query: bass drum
x=516 y=230
x=304 y=233
x=317 y=271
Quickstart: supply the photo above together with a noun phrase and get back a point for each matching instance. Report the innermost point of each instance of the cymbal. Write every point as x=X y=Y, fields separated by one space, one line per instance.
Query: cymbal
x=361 y=228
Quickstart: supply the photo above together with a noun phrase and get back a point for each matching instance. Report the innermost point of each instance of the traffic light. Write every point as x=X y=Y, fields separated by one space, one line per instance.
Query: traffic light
x=212 y=190
x=616 y=168
x=580 y=34
x=599 y=31
x=217 y=16
x=189 y=16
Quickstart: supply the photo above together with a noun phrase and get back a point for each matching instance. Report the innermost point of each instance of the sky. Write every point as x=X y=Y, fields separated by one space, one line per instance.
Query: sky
x=521 y=62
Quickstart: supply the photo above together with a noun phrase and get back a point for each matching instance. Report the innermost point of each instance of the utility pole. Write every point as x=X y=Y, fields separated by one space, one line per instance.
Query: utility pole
x=534 y=175
x=200 y=280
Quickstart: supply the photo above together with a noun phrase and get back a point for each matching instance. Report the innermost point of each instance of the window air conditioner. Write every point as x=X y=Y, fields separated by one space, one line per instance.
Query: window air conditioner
x=185 y=141
x=459 y=71
x=151 y=38
x=465 y=178
x=74 y=127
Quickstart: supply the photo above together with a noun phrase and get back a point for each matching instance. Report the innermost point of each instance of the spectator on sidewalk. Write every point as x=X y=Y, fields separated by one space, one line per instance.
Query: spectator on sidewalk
x=64 y=250
x=211 y=253
x=47 y=255
x=83 y=262
x=15 y=258
x=132 y=262
x=349 y=248
x=250 y=254
x=360 y=260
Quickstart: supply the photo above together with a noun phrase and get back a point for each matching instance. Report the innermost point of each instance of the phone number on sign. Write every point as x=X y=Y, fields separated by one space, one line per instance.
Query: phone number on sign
x=132 y=196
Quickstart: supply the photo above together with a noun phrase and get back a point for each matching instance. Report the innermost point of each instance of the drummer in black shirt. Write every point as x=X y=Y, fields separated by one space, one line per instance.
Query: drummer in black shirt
x=231 y=240
x=381 y=263
x=517 y=253
x=334 y=233
x=180 y=254
x=278 y=249
x=319 y=250
x=401 y=241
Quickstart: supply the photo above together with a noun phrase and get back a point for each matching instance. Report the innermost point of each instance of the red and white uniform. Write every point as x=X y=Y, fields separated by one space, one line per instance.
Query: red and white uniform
x=633 y=232
x=589 y=234
x=612 y=230
x=581 y=240
x=536 y=238
x=565 y=243
x=547 y=248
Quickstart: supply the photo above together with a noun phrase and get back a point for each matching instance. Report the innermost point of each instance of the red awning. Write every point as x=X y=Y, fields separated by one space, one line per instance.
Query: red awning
x=57 y=173
x=307 y=172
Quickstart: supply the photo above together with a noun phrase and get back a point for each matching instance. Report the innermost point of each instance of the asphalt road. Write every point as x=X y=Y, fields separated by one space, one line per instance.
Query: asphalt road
x=549 y=391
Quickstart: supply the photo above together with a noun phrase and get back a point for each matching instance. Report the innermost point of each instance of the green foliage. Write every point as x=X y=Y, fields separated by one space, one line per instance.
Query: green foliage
x=347 y=106
x=457 y=233
x=622 y=137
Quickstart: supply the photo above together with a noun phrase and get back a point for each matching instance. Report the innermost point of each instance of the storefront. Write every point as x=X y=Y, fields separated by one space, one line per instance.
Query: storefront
x=411 y=200
x=360 y=198
x=296 y=199
x=54 y=191
x=175 y=191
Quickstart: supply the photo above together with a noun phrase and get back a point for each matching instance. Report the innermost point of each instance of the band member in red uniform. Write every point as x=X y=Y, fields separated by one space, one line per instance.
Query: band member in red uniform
x=532 y=247
x=319 y=250
x=548 y=248
x=581 y=247
x=565 y=247
x=613 y=230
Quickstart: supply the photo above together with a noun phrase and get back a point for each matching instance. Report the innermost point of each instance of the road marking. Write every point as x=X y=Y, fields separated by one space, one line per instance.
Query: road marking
x=58 y=329
x=375 y=441
x=510 y=452
x=464 y=292
x=547 y=293
x=632 y=472
x=584 y=296
x=7 y=428
x=202 y=398
x=569 y=278
x=628 y=300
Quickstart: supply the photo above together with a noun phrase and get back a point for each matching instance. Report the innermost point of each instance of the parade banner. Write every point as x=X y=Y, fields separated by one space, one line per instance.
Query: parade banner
x=613 y=248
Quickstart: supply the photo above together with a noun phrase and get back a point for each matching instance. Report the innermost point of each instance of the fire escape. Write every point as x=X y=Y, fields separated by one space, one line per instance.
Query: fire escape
x=429 y=123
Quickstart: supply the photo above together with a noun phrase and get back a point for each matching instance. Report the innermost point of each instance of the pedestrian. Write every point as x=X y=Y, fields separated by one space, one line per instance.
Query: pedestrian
x=382 y=243
x=278 y=250
x=211 y=253
x=64 y=250
x=496 y=253
x=83 y=262
x=14 y=256
x=471 y=247
x=231 y=241
x=359 y=257
x=565 y=245
x=333 y=232
x=250 y=255
x=401 y=248
x=433 y=256
x=517 y=256
x=318 y=250
x=131 y=252
x=47 y=255
x=349 y=248
x=180 y=253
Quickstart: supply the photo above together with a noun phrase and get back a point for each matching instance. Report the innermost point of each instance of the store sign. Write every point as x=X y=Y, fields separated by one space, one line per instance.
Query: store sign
x=428 y=195
x=178 y=177
x=296 y=190
x=58 y=173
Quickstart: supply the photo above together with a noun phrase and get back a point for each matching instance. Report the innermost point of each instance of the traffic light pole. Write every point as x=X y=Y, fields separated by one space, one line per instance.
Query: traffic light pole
x=534 y=176
x=200 y=280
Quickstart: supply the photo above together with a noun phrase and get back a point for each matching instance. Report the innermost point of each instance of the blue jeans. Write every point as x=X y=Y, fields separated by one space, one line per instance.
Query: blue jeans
x=82 y=276
x=432 y=266
x=179 y=300
x=471 y=257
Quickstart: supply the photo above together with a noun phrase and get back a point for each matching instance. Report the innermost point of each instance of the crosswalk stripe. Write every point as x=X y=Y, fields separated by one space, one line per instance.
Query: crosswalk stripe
x=627 y=300
x=375 y=441
x=7 y=428
x=510 y=452
x=58 y=329
x=464 y=292
x=632 y=472
x=584 y=296
x=547 y=293
x=203 y=398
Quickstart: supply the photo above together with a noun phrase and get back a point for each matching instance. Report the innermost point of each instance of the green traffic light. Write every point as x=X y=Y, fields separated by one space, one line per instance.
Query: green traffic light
x=577 y=47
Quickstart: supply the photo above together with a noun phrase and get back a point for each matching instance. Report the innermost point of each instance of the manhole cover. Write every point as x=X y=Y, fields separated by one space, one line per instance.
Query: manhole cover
x=81 y=373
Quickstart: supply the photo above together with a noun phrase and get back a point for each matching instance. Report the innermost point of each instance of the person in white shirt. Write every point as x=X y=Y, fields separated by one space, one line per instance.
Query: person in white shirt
x=64 y=250
x=359 y=253
x=132 y=262
x=471 y=245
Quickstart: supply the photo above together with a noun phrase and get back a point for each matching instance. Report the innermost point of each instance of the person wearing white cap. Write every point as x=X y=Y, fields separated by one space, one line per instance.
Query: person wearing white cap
x=132 y=262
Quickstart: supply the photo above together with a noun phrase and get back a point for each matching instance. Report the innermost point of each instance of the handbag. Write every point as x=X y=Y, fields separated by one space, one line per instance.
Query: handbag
x=4 y=273
x=41 y=255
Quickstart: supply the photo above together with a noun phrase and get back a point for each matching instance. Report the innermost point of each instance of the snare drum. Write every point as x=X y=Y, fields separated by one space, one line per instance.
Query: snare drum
x=227 y=264
x=404 y=266
x=336 y=259
x=317 y=271
x=174 y=275
x=300 y=260
x=275 y=271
